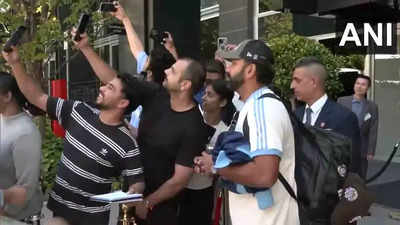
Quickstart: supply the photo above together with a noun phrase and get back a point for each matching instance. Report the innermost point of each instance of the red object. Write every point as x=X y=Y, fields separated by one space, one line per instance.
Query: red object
x=218 y=205
x=59 y=90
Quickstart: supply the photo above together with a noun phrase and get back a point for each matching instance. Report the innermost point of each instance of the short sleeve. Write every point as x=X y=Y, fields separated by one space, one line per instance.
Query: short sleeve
x=193 y=143
x=131 y=166
x=268 y=121
x=60 y=109
x=141 y=61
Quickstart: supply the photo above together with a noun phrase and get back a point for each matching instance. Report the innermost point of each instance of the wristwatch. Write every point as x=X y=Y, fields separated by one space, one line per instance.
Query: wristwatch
x=1 y=199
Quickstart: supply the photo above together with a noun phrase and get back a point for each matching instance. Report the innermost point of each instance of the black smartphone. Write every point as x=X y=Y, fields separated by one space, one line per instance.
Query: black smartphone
x=82 y=26
x=107 y=7
x=14 y=39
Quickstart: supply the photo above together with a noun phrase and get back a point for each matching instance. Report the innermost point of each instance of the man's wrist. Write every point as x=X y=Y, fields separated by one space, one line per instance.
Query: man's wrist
x=170 y=47
x=85 y=48
x=14 y=64
x=125 y=19
x=148 y=204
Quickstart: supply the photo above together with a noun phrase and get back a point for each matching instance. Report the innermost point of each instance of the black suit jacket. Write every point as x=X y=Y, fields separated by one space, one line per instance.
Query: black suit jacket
x=339 y=119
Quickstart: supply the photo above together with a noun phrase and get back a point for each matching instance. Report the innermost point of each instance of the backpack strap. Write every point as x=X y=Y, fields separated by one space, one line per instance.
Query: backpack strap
x=232 y=126
x=281 y=178
x=287 y=186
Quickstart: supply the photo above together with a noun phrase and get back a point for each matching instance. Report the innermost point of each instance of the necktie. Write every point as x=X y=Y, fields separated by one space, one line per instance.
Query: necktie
x=308 y=116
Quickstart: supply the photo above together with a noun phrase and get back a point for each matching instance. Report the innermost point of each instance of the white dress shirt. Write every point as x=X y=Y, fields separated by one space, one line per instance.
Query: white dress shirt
x=316 y=109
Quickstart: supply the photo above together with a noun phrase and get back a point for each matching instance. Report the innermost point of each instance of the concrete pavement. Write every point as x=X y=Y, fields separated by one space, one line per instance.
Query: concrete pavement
x=387 y=190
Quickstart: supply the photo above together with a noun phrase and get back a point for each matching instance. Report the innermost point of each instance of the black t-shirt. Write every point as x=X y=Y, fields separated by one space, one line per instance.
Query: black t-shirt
x=167 y=137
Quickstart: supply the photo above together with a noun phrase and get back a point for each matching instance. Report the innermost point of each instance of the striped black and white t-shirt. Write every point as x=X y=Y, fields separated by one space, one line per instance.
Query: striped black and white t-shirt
x=93 y=154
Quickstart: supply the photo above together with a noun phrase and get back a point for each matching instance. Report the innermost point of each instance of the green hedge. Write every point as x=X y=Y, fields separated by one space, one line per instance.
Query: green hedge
x=288 y=49
x=51 y=151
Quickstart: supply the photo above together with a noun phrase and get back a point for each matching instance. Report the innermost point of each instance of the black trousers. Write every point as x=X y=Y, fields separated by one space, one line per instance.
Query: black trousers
x=364 y=167
x=196 y=206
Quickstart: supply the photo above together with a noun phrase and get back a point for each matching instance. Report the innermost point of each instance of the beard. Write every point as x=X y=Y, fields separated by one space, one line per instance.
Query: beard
x=237 y=80
x=99 y=104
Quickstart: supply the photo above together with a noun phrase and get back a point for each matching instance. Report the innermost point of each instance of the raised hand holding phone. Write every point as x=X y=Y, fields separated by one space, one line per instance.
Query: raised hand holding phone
x=82 y=26
x=15 y=39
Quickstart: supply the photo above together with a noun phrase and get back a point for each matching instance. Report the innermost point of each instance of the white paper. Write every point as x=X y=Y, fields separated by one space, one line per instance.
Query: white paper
x=117 y=197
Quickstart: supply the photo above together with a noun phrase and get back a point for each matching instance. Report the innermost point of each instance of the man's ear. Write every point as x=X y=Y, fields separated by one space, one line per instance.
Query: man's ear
x=314 y=81
x=123 y=103
x=186 y=85
x=223 y=103
x=250 y=70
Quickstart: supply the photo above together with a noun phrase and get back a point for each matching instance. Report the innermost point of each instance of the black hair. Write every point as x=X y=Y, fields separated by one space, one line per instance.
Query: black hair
x=308 y=61
x=215 y=66
x=129 y=92
x=160 y=60
x=265 y=73
x=9 y=84
x=366 y=78
x=224 y=90
x=319 y=68
x=195 y=73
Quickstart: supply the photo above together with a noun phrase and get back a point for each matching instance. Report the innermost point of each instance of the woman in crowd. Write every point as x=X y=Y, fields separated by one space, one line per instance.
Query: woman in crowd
x=20 y=151
x=198 y=197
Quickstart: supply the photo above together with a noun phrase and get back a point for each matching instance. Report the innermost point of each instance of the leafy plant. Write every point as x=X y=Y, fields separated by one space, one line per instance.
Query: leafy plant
x=209 y=36
x=51 y=152
x=289 y=48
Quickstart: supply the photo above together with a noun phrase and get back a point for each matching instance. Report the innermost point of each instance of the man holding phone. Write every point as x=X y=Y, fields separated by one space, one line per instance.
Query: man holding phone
x=97 y=146
x=153 y=65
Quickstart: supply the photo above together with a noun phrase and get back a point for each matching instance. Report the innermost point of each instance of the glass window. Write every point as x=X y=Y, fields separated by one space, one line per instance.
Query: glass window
x=208 y=3
x=104 y=53
x=115 y=57
x=209 y=36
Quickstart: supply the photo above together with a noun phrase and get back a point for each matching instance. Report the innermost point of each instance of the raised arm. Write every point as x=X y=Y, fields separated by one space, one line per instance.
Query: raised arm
x=135 y=43
x=29 y=87
x=170 y=45
x=102 y=70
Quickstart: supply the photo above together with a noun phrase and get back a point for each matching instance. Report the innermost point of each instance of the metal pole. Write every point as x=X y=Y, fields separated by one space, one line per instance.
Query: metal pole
x=66 y=48
x=372 y=77
x=256 y=9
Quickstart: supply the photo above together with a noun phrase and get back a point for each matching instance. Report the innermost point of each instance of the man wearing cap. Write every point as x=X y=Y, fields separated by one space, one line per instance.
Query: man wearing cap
x=266 y=123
